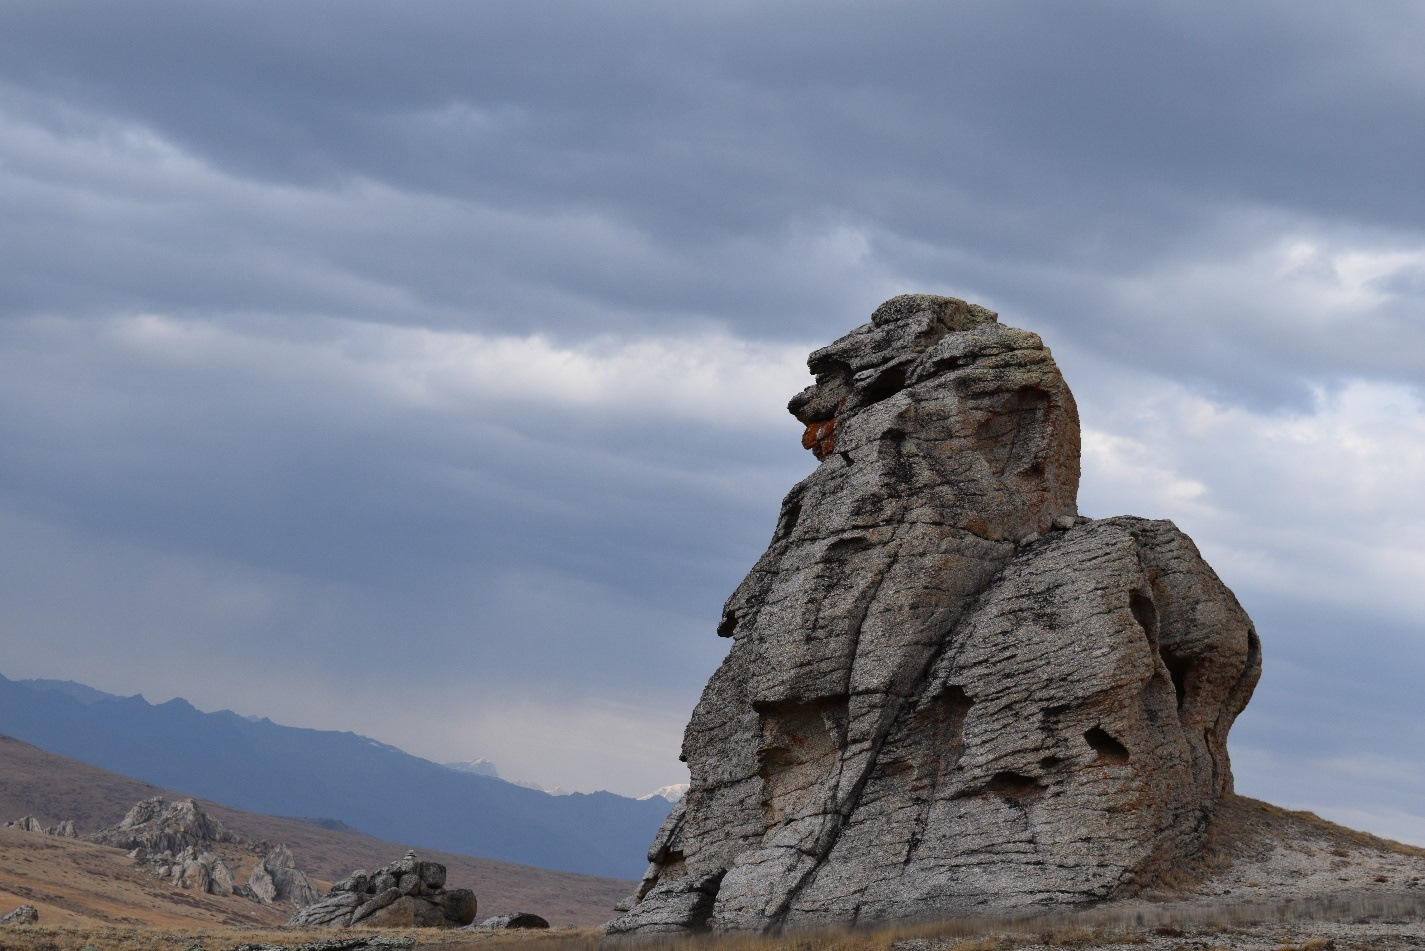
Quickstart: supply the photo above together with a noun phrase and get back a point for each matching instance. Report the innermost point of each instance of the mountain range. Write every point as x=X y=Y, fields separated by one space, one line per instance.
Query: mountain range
x=260 y=766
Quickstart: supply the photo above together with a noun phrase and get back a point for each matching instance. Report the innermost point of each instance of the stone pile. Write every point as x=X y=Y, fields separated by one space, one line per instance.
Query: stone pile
x=947 y=692
x=405 y=894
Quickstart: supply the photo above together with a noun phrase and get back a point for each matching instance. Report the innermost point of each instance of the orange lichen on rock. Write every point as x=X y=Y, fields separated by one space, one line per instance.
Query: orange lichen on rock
x=820 y=438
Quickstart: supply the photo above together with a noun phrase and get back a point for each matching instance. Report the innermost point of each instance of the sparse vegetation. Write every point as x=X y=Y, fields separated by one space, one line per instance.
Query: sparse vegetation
x=1208 y=927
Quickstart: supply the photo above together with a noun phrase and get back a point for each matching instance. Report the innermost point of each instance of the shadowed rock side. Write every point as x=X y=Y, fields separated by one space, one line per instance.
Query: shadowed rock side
x=946 y=691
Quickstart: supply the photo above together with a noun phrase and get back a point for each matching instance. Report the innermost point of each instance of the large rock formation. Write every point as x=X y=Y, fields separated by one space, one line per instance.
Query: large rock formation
x=156 y=825
x=405 y=894
x=515 y=921
x=947 y=692
x=64 y=830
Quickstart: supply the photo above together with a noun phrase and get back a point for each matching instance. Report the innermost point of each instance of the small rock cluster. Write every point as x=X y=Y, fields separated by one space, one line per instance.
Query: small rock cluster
x=179 y=841
x=193 y=867
x=405 y=894
x=368 y=943
x=64 y=830
x=947 y=693
x=24 y=915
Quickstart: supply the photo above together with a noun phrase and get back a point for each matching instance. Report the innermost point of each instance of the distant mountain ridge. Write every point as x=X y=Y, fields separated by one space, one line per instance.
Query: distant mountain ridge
x=260 y=766
x=80 y=692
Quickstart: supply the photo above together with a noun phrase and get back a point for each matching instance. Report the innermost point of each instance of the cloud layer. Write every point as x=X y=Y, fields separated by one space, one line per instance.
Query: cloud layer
x=431 y=361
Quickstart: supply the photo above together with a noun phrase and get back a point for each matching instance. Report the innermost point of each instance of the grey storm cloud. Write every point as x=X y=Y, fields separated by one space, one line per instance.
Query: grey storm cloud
x=437 y=350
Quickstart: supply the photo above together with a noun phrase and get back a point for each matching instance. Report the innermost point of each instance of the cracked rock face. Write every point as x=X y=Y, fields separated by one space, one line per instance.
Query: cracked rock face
x=947 y=692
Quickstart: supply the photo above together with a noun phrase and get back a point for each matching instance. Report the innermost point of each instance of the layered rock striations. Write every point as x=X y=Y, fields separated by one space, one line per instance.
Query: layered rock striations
x=946 y=691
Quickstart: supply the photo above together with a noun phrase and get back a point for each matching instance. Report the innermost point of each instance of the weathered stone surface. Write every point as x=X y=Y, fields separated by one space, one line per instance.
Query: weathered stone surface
x=64 y=830
x=335 y=910
x=193 y=875
x=24 y=915
x=408 y=911
x=180 y=842
x=261 y=886
x=275 y=878
x=431 y=875
x=458 y=905
x=405 y=894
x=374 y=904
x=220 y=879
x=516 y=921
x=947 y=692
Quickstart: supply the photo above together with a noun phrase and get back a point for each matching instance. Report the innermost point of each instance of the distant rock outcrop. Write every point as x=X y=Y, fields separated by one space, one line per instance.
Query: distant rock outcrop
x=156 y=825
x=64 y=830
x=405 y=894
x=24 y=915
x=193 y=867
x=947 y=692
x=180 y=842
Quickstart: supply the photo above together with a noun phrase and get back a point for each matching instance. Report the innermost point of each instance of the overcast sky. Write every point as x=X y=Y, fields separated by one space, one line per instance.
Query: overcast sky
x=420 y=368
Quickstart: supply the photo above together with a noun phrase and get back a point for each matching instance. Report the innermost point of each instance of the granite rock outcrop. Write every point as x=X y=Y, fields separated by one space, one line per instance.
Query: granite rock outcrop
x=405 y=894
x=64 y=830
x=23 y=915
x=276 y=878
x=180 y=842
x=947 y=692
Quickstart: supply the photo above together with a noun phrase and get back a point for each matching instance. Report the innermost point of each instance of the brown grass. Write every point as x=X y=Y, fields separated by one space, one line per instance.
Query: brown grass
x=1085 y=929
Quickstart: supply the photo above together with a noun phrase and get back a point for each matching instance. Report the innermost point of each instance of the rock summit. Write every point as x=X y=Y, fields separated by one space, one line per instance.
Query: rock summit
x=947 y=692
